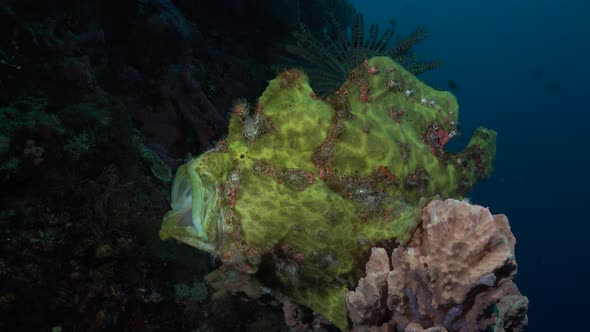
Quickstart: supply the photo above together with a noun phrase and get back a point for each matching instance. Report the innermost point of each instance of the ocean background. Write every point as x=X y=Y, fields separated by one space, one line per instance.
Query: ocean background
x=102 y=100
x=522 y=68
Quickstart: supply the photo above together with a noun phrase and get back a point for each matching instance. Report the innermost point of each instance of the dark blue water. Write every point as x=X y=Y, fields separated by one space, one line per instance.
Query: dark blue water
x=522 y=68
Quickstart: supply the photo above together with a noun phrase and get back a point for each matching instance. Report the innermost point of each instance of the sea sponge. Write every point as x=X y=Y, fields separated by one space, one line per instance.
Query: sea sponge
x=455 y=270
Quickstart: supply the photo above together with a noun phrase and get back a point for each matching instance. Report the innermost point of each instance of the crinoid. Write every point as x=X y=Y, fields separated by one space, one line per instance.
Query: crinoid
x=327 y=59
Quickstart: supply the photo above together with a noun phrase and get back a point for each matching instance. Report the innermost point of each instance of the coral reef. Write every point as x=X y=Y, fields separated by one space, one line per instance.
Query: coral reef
x=99 y=102
x=302 y=187
x=455 y=274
